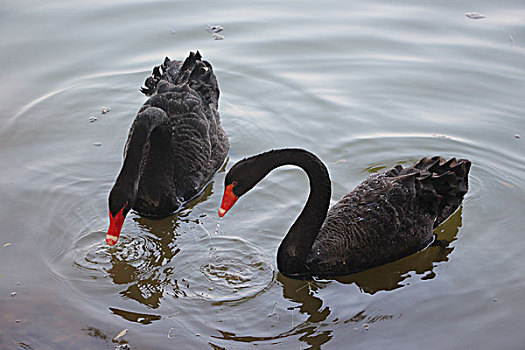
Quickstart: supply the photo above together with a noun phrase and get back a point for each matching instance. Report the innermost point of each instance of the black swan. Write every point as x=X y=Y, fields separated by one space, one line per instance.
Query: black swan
x=390 y=215
x=175 y=145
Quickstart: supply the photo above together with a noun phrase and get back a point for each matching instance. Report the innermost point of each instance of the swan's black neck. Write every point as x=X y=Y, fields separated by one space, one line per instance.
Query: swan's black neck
x=296 y=246
x=135 y=154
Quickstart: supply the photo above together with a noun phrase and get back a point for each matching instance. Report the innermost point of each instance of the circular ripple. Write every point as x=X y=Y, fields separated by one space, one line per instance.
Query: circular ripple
x=147 y=269
x=233 y=270
x=92 y=259
x=232 y=274
x=133 y=251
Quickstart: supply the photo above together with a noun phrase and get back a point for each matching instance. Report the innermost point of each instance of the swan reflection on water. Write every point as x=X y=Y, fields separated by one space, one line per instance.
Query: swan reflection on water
x=147 y=276
x=162 y=267
x=156 y=265
x=152 y=274
x=315 y=330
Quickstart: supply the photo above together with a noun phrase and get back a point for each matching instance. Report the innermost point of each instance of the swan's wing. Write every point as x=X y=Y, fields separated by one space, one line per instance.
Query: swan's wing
x=389 y=216
x=199 y=144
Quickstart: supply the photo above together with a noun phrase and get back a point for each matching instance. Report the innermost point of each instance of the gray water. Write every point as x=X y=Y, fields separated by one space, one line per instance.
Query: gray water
x=364 y=85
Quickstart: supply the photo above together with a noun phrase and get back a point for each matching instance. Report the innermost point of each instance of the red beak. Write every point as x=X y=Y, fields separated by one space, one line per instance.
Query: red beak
x=228 y=200
x=115 y=225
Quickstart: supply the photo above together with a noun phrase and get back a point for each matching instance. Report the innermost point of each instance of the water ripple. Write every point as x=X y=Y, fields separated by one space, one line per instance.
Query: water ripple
x=149 y=269
x=235 y=270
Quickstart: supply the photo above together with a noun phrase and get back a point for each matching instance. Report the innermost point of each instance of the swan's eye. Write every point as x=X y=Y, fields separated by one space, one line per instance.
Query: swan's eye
x=234 y=183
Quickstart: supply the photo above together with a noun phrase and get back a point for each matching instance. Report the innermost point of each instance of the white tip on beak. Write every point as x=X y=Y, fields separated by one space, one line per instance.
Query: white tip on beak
x=111 y=240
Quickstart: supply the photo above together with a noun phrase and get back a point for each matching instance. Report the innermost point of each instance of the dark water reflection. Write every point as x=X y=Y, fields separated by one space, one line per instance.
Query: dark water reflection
x=139 y=265
x=146 y=267
x=305 y=294
x=135 y=316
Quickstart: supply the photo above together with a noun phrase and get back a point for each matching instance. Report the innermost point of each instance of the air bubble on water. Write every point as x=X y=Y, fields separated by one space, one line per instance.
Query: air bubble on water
x=274 y=317
x=171 y=333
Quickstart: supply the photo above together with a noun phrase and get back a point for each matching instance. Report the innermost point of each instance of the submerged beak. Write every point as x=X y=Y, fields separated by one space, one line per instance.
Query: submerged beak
x=228 y=200
x=115 y=225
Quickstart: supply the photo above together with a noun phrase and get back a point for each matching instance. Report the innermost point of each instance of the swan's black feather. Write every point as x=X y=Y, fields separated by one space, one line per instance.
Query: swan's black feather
x=184 y=144
x=389 y=216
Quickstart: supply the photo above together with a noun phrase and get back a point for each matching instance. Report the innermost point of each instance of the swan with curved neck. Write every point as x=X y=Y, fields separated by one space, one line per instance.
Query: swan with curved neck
x=175 y=145
x=390 y=215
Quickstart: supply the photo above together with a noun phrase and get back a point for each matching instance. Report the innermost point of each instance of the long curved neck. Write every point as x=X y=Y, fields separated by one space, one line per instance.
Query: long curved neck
x=134 y=155
x=136 y=151
x=297 y=244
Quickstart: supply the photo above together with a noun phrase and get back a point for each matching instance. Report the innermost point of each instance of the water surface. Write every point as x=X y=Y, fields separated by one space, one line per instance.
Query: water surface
x=363 y=85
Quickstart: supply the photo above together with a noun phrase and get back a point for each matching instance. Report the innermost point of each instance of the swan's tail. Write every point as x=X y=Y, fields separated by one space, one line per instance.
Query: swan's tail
x=150 y=85
x=439 y=183
x=449 y=179
x=194 y=71
x=198 y=73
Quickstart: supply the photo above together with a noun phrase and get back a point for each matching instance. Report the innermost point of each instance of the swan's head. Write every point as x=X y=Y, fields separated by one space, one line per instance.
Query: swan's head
x=241 y=178
x=119 y=207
